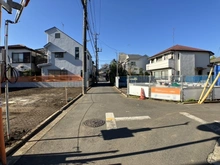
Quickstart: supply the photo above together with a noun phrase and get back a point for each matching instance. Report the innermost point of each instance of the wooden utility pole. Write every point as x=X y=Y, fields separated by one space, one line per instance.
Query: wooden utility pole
x=84 y=54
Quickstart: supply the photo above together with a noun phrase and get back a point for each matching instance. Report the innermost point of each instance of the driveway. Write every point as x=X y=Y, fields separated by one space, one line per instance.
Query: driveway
x=135 y=132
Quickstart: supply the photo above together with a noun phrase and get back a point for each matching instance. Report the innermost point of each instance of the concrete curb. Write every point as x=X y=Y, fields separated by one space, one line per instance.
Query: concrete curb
x=44 y=123
x=120 y=91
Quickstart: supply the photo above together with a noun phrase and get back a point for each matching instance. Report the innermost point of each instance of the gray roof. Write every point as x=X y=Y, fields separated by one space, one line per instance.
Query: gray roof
x=135 y=56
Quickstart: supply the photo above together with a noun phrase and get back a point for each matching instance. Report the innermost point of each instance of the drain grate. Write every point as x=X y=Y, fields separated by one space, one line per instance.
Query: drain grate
x=94 y=123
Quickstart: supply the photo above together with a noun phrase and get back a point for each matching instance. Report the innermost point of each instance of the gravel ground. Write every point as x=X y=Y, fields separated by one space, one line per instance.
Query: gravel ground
x=29 y=107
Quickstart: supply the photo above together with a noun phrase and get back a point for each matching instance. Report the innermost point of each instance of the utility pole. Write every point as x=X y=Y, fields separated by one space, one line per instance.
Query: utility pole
x=84 y=54
x=97 y=58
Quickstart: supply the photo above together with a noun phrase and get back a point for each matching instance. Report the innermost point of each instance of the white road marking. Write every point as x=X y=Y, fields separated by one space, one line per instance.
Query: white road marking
x=132 y=118
x=193 y=117
x=209 y=125
x=110 y=121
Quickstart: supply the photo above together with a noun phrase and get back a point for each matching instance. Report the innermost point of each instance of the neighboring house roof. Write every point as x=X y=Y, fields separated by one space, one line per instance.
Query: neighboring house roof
x=123 y=57
x=42 y=50
x=216 y=60
x=46 y=31
x=49 y=43
x=18 y=46
x=181 y=48
x=135 y=56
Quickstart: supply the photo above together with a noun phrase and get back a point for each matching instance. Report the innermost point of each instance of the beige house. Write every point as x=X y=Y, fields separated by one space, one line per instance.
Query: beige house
x=180 y=60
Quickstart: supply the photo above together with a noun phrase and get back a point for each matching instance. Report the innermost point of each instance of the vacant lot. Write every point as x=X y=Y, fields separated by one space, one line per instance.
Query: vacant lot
x=29 y=107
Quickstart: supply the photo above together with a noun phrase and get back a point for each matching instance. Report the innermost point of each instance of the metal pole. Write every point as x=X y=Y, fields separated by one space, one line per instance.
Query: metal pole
x=84 y=68
x=2 y=141
x=6 y=82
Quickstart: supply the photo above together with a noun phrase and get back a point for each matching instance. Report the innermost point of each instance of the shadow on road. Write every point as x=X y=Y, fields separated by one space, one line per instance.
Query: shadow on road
x=81 y=158
x=68 y=157
x=126 y=133
x=210 y=127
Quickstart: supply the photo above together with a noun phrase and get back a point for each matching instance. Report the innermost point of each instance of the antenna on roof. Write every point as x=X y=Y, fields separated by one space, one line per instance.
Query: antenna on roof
x=62 y=25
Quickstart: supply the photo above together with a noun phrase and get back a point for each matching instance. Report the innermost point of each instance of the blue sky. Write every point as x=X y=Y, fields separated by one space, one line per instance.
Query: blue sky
x=129 y=26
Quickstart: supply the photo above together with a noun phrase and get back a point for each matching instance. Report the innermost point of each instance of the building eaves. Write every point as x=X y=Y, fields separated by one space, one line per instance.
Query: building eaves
x=46 y=31
x=19 y=46
x=181 y=48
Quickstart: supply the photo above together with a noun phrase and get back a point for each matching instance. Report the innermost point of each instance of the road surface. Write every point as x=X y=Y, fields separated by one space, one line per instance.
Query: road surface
x=135 y=132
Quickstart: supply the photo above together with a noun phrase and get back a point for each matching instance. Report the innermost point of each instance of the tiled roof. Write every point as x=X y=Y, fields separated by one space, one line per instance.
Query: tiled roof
x=182 y=48
x=19 y=46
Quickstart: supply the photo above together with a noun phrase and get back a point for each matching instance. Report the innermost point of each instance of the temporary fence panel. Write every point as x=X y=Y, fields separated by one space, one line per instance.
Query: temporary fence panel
x=216 y=93
x=166 y=93
x=192 y=93
x=136 y=90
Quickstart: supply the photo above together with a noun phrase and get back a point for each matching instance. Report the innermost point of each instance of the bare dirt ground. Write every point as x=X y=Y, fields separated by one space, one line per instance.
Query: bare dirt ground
x=29 y=107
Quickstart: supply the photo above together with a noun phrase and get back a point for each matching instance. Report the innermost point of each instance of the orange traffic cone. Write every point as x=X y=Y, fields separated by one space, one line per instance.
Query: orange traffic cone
x=142 y=97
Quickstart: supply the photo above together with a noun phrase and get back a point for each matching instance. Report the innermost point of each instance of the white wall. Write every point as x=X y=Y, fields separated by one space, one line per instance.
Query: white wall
x=187 y=63
x=142 y=62
x=65 y=44
x=202 y=60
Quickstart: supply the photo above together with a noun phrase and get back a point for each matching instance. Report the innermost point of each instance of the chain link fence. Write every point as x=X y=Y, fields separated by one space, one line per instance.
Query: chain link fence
x=170 y=81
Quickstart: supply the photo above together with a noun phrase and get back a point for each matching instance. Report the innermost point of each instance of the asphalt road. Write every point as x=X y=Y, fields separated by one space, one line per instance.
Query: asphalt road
x=136 y=132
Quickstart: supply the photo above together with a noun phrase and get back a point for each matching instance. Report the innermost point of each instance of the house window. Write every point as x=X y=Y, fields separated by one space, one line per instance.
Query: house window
x=76 y=53
x=57 y=72
x=88 y=57
x=59 y=55
x=133 y=63
x=57 y=35
x=21 y=57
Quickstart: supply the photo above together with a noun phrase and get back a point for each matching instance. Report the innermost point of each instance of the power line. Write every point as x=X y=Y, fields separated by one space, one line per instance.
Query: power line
x=92 y=17
x=109 y=46
x=100 y=7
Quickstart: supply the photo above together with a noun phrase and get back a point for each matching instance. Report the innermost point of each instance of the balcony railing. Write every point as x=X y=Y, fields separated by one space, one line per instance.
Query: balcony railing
x=161 y=65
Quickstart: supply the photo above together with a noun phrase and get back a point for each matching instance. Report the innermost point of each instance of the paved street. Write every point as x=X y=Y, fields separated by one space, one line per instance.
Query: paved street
x=136 y=132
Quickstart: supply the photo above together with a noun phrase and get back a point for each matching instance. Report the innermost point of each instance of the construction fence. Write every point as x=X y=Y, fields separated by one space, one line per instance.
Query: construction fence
x=177 y=88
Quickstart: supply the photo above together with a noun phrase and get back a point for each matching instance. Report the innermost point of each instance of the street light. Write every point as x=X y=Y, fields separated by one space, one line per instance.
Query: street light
x=23 y=3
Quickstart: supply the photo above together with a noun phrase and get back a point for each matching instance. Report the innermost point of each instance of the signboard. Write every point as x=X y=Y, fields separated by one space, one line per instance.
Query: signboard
x=166 y=93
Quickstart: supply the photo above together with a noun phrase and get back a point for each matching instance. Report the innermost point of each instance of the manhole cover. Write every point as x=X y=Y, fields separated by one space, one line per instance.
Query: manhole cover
x=94 y=123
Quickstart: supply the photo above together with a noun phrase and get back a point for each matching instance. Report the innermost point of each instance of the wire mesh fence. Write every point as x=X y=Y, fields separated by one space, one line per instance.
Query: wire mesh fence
x=27 y=107
x=171 y=81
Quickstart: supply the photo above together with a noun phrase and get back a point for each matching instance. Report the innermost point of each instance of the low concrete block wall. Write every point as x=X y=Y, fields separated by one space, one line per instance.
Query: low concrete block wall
x=43 y=84
x=136 y=90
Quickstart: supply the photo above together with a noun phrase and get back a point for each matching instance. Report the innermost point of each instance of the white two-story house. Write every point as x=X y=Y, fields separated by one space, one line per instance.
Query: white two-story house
x=64 y=55
x=25 y=60
x=180 y=60
x=133 y=63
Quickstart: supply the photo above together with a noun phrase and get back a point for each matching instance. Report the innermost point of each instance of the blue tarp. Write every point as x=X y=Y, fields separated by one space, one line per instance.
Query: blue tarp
x=216 y=71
